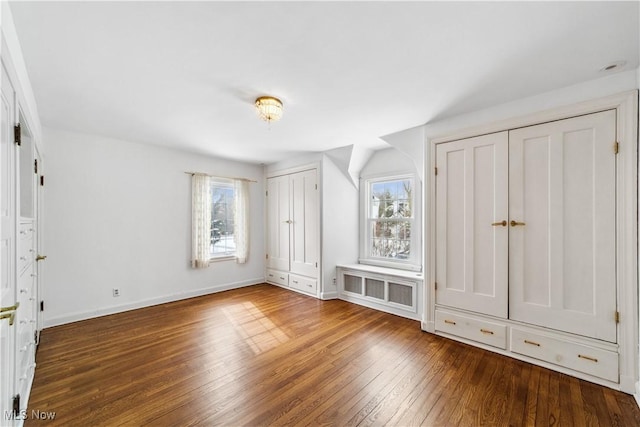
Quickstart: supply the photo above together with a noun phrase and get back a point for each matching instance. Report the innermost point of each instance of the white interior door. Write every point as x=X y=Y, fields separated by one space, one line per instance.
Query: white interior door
x=471 y=224
x=562 y=270
x=278 y=223
x=8 y=211
x=39 y=244
x=305 y=230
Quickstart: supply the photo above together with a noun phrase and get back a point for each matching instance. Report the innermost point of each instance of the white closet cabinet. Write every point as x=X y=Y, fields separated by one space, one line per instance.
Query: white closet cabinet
x=525 y=242
x=562 y=259
x=293 y=247
x=472 y=189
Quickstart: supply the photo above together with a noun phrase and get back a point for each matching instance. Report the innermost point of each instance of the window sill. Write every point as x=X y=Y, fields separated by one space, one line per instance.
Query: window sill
x=222 y=258
x=390 y=264
x=389 y=271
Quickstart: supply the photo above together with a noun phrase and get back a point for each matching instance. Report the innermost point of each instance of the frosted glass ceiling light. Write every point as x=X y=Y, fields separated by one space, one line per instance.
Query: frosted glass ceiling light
x=269 y=108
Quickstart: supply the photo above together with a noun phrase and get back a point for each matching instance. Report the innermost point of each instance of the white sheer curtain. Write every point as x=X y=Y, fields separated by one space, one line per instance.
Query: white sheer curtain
x=241 y=220
x=200 y=220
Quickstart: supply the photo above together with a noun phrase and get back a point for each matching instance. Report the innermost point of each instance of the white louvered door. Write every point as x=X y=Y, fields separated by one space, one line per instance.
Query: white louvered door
x=562 y=187
x=471 y=237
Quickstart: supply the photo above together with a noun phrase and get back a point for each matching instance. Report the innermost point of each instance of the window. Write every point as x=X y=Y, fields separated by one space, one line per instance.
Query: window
x=222 y=219
x=219 y=219
x=391 y=235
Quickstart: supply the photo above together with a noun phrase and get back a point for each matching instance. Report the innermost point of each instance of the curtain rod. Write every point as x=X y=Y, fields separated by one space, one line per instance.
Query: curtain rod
x=218 y=176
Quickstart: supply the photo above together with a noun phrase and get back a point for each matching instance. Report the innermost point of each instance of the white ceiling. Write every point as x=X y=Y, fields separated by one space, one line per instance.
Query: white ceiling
x=185 y=75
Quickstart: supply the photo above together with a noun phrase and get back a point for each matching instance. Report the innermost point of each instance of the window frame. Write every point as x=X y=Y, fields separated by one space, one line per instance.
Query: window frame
x=414 y=262
x=225 y=183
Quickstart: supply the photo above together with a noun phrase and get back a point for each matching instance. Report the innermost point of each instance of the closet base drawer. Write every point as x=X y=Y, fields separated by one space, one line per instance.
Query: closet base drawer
x=479 y=330
x=304 y=284
x=579 y=357
x=278 y=277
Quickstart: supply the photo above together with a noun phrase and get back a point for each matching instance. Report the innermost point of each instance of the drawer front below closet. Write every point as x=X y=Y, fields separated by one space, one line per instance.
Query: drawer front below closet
x=472 y=328
x=304 y=284
x=580 y=357
x=278 y=277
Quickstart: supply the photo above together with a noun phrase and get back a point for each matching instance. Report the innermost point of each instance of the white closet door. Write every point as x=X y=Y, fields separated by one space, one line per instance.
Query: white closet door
x=305 y=230
x=8 y=211
x=562 y=267
x=278 y=222
x=471 y=248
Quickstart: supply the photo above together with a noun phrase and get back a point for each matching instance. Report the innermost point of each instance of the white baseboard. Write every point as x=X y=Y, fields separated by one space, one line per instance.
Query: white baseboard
x=84 y=315
x=329 y=295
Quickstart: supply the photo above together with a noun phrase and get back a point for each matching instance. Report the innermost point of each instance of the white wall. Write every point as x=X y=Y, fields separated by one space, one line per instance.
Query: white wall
x=340 y=222
x=117 y=214
x=388 y=161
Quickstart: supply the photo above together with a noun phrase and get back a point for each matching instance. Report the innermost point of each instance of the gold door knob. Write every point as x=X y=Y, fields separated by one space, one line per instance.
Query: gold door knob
x=516 y=223
x=502 y=223
x=41 y=257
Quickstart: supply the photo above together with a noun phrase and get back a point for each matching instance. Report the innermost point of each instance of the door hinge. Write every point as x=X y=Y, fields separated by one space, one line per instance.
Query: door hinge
x=41 y=305
x=436 y=170
x=316 y=265
x=17 y=134
x=316 y=186
x=35 y=337
x=266 y=193
x=35 y=165
x=616 y=147
x=267 y=256
x=41 y=180
x=435 y=285
x=16 y=404
x=617 y=317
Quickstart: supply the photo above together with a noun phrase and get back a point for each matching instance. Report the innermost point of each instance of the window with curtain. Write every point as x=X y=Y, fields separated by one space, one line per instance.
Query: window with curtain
x=219 y=220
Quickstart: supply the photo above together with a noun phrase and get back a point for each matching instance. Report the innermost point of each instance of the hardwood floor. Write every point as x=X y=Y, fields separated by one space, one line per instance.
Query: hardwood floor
x=267 y=356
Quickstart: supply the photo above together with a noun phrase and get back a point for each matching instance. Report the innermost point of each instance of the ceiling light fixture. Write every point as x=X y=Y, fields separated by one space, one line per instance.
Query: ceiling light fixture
x=269 y=108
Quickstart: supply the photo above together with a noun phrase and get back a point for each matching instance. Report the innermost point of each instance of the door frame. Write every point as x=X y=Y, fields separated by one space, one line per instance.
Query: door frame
x=626 y=106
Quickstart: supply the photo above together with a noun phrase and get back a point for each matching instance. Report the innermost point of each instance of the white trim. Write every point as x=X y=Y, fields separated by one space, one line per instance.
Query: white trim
x=329 y=295
x=289 y=171
x=414 y=262
x=626 y=106
x=84 y=315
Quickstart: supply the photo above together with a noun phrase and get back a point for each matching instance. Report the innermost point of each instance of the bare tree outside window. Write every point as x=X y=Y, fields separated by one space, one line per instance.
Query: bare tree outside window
x=222 y=226
x=390 y=219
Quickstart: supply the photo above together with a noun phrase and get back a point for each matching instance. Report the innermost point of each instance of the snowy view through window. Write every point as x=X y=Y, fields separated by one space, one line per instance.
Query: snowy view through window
x=222 y=226
x=390 y=219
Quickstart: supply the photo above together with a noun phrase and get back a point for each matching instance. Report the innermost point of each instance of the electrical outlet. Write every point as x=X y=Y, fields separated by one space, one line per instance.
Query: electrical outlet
x=116 y=292
x=334 y=280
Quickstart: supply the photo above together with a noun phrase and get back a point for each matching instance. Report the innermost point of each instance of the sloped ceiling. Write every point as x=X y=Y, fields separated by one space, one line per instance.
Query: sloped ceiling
x=185 y=74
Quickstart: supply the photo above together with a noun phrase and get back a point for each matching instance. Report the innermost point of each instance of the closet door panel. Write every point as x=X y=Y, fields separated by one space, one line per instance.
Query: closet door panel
x=278 y=222
x=305 y=230
x=471 y=241
x=562 y=258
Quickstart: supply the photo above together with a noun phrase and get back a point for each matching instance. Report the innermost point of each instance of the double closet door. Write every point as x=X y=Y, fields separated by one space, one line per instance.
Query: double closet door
x=526 y=225
x=293 y=244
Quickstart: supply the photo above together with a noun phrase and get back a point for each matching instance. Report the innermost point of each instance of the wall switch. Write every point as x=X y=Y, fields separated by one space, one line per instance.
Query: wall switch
x=334 y=280
x=116 y=292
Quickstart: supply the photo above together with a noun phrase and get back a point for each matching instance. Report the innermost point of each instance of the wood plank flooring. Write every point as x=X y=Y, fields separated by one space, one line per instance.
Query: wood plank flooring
x=262 y=355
